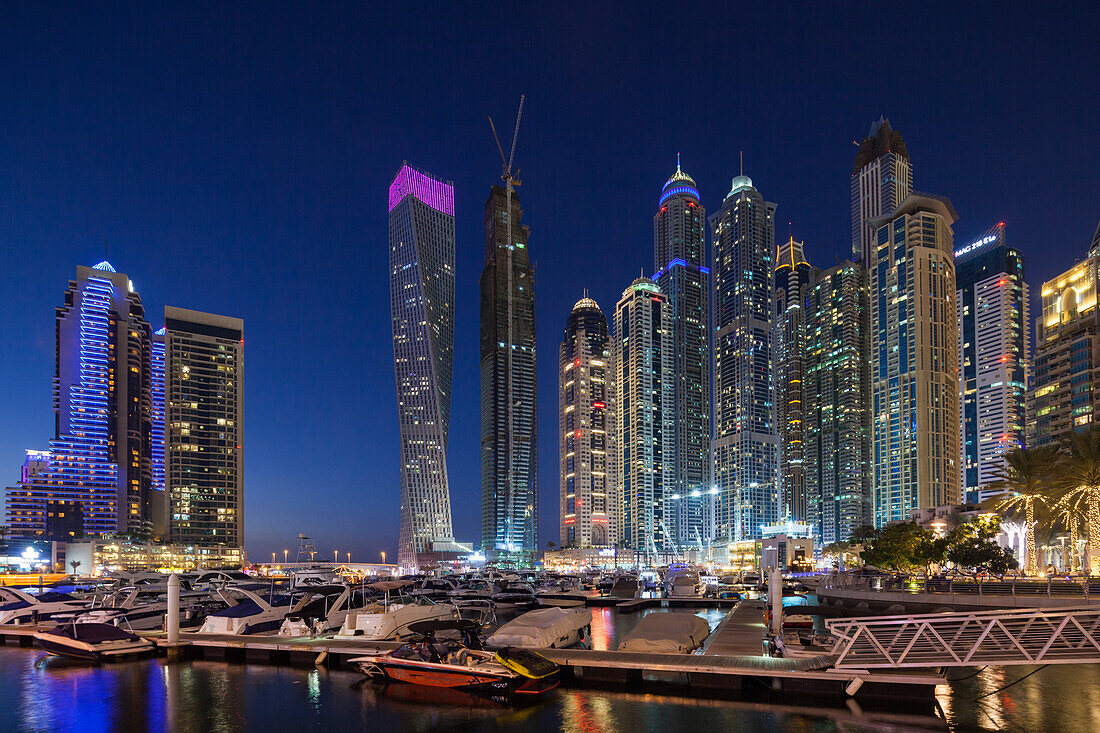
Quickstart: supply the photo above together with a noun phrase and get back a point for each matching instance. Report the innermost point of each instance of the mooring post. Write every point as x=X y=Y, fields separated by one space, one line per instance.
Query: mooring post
x=173 y=625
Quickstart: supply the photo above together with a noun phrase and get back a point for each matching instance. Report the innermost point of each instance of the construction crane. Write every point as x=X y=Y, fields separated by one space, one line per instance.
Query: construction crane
x=511 y=181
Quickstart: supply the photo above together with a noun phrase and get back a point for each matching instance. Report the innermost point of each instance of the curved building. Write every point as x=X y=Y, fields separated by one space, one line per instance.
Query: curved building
x=586 y=479
x=422 y=295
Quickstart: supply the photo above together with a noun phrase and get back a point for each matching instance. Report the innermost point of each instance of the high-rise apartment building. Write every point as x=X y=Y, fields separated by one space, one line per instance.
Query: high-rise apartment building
x=422 y=293
x=641 y=360
x=743 y=306
x=1064 y=393
x=993 y=358
x=509 y=418
x=792 y=276
x=914 y=349
x=100 y=455
x=679 y=231
x=837 y=397
x=586 y=429
x=882 y=178
x=203 y=413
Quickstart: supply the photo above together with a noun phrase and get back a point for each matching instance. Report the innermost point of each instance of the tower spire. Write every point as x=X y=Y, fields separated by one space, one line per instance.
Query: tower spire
x=678 y=162
x=741 y=156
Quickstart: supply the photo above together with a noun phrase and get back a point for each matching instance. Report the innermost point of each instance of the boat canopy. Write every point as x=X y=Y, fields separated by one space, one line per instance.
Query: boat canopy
x=388 y=585
x=666 y=633
x=541 y=627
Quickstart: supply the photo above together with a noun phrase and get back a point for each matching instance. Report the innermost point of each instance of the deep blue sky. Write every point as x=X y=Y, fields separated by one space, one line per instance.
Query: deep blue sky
x=237 y=160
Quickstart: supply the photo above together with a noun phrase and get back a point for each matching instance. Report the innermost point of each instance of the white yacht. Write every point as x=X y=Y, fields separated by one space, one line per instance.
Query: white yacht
x=248 y=612
x=389 y=617
x=20 y=607
x=141 y=608
x=566 y=591
x=321 y=610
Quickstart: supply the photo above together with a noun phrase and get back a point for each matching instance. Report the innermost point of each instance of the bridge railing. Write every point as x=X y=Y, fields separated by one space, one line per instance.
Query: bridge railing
x=1006 y=637
x=1052 y=587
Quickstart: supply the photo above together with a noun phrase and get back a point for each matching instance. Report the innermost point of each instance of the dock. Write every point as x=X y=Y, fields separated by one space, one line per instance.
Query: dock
x=741 y=632
x=714 y=673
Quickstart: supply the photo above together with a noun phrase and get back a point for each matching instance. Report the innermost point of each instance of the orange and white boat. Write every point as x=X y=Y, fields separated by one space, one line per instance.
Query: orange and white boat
x=462 y=664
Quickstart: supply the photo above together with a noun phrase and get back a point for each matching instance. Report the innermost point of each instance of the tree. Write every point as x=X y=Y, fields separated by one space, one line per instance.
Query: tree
x=841 y=551
x=904 y=548
x=1027 y=475
x=972 y=546
x=1070 y=511
x=1079 y=471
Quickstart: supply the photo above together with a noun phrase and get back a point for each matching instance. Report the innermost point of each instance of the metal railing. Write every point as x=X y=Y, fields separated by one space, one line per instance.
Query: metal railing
x=1052 y=587
x=968 y=639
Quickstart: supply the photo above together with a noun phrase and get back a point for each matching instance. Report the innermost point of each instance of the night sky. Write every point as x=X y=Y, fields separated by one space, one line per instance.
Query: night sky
x=236 y=161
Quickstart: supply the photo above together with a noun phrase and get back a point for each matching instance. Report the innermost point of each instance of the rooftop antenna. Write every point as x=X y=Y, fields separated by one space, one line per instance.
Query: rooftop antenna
x=741 y=155
x=510 y=182
x=677 y=162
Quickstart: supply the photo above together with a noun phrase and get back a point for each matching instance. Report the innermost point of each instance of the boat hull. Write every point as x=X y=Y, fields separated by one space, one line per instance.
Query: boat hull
x=458 y=678
x=74 y=649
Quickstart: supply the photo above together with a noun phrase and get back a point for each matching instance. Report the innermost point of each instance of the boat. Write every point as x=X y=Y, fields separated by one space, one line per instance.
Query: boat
x=553 y=628
x=141 y=608
x=438 y=589
x=565 y=591
x=800 y=621
x=247 y=613
x=462 y=665
x=667 y=633
x=475 y=589
x=320 y=610
x=512 y=593
x=92 y=641
x=20 y=607
x=625 y=586
x=480 y=610
x=389 y=617
x=685 y=584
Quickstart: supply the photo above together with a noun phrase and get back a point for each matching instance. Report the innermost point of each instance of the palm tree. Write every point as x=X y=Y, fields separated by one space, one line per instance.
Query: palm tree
x=1070 y=510
x=1080 y=472
x=1026 y=475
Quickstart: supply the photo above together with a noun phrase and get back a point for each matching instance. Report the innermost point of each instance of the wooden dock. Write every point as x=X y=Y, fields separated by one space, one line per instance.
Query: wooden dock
x=741 y=632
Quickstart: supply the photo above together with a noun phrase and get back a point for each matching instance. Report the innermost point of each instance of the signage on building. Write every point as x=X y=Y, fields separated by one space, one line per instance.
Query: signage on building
x=975 y=245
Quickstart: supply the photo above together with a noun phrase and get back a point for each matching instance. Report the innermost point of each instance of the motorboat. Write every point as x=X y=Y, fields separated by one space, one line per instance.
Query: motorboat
x=389 y=617
x=463 y=665
x=544 y=628
x=215 y=579
x=247 y=612
x=799 y=621
x=667 y=633
x=514 y=593
x=473 y=589
x=480 y=610
x=438 y=589
x=565 y=591
x=141 y=608
x=20 y=607
x=685 y=584
x=313 y=577
x=625 y=587
x=321 y=609
x=92 y=641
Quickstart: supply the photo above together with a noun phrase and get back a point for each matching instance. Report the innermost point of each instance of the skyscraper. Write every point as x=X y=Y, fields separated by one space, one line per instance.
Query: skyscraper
x=509 y=418
x=838 y=397
x=203 y=413
x=642 y=362
x=882 y=178
x=586 y=483
x=422 y=293
x=679 y=228
x=100 y=455
x=993 y=358
x=792 y=276
x=743 y=306
x=914 y=342
x=1065 y=388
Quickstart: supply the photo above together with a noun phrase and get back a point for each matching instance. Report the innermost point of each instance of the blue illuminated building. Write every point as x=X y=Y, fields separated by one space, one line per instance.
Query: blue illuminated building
x=679 y=250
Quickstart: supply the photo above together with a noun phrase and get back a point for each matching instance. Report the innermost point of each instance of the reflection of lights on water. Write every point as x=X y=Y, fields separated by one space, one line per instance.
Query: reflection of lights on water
x=585 y=713
x=603 y=630
x=313 y=681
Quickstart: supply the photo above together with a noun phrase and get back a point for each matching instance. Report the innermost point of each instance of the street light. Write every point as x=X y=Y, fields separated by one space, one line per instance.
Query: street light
x=335 y=557
x=1062 y=539
x=285 y=552
x=383 y=557
x=349 y=558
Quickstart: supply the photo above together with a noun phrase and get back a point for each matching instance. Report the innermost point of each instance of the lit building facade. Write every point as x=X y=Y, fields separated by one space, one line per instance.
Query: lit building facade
x=838 y=398
x=679 y=231
x=422 y=293
x=993 y=358
x=586 y=429
x=792 y=276
x=203 y=413
x=915 y=359
x=642 y=366
x=100 y=455
x=1065 y=386
x=882 y=178
x=509 y=418
x=745 y=446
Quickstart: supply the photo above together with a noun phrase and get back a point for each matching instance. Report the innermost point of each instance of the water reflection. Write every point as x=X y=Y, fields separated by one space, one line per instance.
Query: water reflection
x=37 y=694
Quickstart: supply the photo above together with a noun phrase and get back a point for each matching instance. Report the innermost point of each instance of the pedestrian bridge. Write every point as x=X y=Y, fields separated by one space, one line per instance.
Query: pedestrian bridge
x=968 y=639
